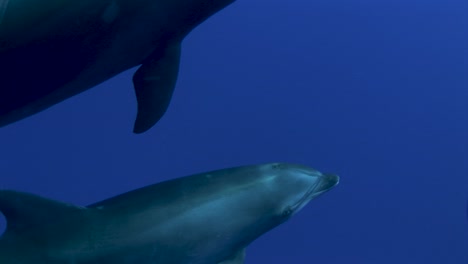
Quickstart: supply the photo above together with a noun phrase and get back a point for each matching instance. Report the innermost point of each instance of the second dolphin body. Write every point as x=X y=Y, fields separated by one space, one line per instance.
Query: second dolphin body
x=51 y=50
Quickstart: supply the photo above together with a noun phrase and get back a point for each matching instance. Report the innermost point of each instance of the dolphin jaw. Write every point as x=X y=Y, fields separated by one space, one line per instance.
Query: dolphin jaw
x=324 y=183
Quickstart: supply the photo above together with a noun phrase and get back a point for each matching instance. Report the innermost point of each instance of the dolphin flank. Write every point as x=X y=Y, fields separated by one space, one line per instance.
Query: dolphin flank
x=207 y=218
x=51 y=50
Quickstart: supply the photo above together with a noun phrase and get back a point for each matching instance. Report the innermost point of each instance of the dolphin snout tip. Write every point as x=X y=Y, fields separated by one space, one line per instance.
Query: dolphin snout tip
x=330 y=181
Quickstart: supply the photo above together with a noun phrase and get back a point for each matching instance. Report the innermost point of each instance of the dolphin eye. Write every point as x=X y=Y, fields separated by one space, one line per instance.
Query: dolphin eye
x=287 y=212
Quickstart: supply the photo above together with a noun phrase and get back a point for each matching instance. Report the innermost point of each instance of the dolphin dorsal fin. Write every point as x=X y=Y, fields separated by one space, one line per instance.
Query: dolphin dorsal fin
x=31 y=215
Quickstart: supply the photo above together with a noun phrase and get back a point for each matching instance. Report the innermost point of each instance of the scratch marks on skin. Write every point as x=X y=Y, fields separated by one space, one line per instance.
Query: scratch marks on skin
x=3 y=8
x=109 y=15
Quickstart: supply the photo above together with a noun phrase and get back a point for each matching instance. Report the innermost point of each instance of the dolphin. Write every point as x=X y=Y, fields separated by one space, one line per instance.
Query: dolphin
x=207 y=218
x=51 y=50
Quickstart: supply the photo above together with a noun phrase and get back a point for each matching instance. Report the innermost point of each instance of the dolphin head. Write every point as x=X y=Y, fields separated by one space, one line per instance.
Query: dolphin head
x=289 y=187
x=267 y=195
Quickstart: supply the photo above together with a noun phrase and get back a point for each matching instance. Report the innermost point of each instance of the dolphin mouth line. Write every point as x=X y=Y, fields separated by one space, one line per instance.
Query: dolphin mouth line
x=306 y=196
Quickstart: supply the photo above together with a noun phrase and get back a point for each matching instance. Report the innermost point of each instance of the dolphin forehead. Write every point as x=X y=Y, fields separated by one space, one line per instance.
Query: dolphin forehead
x=291 y=167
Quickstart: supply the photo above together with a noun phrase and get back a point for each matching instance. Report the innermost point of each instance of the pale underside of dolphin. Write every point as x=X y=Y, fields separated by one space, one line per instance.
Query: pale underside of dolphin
x=51 y=50
x=208 y=218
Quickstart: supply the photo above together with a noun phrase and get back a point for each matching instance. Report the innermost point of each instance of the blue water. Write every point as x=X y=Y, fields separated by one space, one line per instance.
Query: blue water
x=375 y=91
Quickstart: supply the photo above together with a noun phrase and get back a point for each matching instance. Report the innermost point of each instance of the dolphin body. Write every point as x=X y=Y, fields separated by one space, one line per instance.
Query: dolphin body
x=51 y=50
x=207 y=218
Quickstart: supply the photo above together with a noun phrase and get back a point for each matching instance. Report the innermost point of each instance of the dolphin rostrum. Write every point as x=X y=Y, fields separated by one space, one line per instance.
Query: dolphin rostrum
x=51 y=50
x=208 y=218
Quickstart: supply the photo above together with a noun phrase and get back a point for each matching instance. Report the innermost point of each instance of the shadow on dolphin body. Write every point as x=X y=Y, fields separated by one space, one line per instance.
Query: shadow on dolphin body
x=51 y=50
x=206 y=218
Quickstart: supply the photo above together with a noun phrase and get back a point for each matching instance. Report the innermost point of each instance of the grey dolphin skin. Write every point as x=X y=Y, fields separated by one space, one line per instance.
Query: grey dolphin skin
x=207 y=218
x=51 y=50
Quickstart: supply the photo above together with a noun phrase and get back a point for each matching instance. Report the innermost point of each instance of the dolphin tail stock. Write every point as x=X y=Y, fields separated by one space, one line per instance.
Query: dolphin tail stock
x=154 y=84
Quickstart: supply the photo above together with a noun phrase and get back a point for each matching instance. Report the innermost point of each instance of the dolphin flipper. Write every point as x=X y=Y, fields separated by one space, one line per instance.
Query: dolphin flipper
x=154 y=84
x=238 y=258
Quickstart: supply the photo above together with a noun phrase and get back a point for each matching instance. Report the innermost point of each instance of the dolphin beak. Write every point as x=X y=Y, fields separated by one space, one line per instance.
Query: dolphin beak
x=327 y=182
x=324 y=184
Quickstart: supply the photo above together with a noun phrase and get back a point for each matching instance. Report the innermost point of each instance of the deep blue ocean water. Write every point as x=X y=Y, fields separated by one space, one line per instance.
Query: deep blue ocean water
x=374 y=91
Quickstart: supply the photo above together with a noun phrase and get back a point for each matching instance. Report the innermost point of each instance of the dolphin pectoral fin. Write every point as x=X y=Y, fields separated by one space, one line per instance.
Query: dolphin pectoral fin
x=29 y=215
x=154 y=84
x=3 y=8
x=238 y=258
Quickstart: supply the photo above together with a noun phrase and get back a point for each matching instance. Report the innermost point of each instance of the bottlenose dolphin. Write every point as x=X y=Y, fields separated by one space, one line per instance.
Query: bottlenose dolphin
x=51 y=50
x=208 y=218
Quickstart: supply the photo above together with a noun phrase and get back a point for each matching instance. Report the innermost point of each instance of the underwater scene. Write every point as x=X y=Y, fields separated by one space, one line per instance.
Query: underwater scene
x=230 y=132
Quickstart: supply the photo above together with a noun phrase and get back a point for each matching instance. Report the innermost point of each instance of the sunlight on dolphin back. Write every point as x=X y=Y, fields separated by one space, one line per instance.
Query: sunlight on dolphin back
x=111 y=12
x=2 y=224
x=3 y=8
